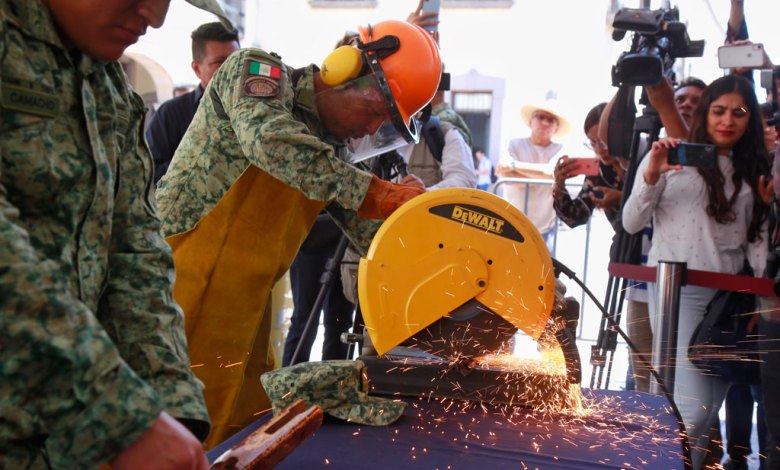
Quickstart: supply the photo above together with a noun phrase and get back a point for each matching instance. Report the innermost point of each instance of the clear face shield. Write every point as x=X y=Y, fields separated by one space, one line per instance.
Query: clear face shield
x=359 y=113
x=385 y=139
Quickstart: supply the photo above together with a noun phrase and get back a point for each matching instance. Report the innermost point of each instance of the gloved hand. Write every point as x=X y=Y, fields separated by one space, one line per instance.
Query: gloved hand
x=384 y=197
x=413 y=180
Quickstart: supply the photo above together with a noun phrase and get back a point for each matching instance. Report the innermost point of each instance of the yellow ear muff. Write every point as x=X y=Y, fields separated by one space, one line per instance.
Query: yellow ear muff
x=341 y=65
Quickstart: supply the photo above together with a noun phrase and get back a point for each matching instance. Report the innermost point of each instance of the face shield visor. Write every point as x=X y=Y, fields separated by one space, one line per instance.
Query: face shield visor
x=385 y=139
x=358 y=112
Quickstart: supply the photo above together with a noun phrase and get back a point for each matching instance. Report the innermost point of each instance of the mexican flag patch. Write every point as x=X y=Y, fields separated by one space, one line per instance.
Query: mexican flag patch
x=264 y=70
x=261 y=79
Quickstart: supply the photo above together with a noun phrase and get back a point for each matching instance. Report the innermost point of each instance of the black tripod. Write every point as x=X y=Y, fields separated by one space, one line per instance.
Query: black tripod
x=626 y=247
x=386 y=166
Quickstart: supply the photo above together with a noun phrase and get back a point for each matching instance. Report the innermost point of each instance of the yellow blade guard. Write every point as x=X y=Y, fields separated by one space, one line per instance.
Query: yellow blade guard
x=444 y=248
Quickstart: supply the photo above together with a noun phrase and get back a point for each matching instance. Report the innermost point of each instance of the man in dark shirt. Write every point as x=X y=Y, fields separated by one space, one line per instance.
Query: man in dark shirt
x=211 y=45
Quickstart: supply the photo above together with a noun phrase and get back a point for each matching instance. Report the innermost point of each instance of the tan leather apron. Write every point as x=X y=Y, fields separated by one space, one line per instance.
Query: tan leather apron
x=225 y=269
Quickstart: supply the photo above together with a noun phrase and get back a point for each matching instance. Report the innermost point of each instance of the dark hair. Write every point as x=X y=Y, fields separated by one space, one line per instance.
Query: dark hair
x=593 y=117
x=749 y=155
x=210 y=32
x=691 y=81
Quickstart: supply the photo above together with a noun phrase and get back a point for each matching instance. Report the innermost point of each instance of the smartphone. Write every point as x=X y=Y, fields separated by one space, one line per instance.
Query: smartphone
x=687 y=154
x=750 y=56
x=585 y=166
x=431 y=6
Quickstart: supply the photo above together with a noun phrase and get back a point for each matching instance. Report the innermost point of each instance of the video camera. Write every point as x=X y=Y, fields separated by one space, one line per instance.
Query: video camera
x=658 y=40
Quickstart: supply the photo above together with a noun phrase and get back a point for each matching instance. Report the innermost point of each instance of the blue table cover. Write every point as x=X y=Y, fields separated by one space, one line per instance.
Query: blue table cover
x=617 y=429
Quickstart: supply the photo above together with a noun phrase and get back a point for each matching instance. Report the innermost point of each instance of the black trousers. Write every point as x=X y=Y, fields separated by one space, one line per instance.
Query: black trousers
x=770 y=383
x=740 y=402
x=305 y=273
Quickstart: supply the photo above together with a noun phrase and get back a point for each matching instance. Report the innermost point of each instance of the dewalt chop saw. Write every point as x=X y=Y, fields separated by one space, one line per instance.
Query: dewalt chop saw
x=448 y=280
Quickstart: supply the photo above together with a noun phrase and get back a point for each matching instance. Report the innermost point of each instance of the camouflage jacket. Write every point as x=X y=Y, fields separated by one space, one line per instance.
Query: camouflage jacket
x=276 y=129
x=92 y=346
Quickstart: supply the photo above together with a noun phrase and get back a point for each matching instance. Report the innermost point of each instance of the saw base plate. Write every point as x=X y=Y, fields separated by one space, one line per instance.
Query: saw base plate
x=409 y=372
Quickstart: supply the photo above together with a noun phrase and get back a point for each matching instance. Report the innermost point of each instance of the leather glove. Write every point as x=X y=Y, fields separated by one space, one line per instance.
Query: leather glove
x=413 y=180
x=384 y=197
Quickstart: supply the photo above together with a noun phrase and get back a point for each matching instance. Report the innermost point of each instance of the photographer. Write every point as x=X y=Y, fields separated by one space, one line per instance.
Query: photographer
x=675 y=111
x=713 y=219
x=529 y=157
x=600 y=191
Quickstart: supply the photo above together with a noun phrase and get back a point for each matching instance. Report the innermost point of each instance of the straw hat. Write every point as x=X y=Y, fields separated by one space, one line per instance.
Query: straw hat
x=550 y=107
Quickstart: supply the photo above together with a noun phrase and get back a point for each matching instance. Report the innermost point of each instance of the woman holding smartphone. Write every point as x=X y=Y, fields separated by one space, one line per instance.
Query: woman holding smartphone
x=713 y=219
x=601 y=190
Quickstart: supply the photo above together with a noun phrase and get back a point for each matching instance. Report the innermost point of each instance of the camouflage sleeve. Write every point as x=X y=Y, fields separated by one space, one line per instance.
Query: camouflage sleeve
x=575 y=211
x=61 y=378
x=137 y=307
x=279 y=144
x=60 y=374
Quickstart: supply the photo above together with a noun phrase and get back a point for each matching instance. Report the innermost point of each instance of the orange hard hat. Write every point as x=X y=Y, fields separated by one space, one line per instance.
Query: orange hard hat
x=409 y=75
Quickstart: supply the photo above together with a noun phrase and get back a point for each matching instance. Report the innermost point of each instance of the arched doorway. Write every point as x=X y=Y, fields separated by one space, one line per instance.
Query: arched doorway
x=149 y=79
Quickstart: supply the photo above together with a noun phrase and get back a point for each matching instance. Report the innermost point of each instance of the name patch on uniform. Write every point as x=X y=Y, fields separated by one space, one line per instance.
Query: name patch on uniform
x=261 y=79
x=28 y=98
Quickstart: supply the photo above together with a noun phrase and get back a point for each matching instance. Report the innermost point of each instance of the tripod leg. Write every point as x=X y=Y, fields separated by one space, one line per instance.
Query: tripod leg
x=326 y=282
x=616 y=312
x=597 y=354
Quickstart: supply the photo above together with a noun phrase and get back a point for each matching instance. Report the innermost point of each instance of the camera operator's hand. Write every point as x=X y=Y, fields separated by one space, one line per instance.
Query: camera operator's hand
x=661 y=97
x=605 y=197
x=166 y=445
x=661 y=94
x=657 y=165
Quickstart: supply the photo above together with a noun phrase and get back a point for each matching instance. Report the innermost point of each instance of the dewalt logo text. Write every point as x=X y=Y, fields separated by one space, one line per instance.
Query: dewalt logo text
x=479 y=220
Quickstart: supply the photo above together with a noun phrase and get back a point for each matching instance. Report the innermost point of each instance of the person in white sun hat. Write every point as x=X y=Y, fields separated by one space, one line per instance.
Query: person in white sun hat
x=531 y=157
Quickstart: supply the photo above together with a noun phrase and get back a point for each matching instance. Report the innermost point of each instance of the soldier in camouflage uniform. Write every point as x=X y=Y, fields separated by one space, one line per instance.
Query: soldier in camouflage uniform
x=256 y=166
x=93 y=357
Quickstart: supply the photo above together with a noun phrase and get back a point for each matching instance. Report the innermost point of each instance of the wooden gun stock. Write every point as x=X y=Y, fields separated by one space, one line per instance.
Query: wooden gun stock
x=275 y=440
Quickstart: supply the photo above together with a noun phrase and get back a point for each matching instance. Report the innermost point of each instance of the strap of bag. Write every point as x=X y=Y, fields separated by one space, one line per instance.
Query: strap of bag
x=434 y=137
x=711 y=318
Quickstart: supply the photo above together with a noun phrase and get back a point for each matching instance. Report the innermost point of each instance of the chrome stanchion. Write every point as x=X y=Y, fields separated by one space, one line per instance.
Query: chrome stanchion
x=670 y=277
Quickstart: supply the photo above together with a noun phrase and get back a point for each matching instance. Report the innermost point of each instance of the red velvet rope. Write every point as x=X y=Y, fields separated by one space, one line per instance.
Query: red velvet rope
x=694 y=277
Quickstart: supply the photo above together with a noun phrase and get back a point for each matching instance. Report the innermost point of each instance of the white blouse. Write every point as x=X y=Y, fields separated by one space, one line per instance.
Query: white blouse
x=682 y=230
